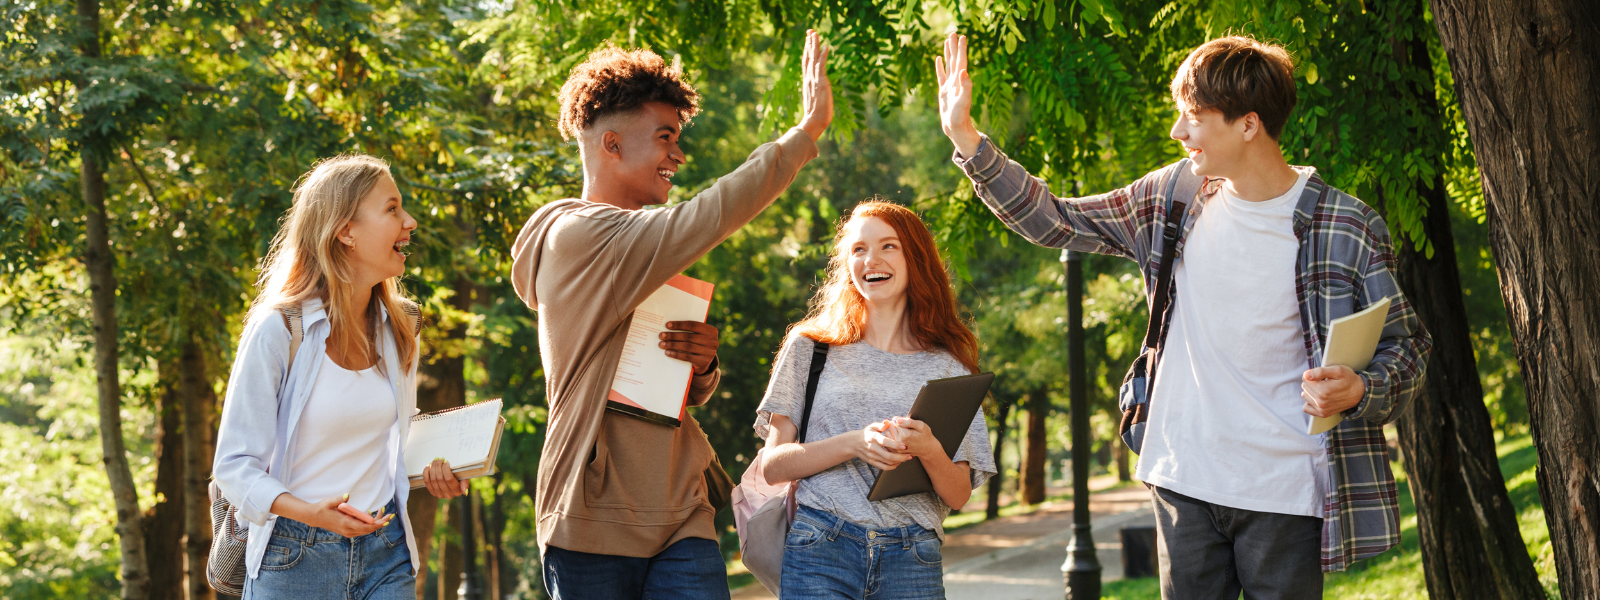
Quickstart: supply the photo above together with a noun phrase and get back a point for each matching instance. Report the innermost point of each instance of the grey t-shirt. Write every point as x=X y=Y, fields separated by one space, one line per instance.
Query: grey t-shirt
x=861 y=385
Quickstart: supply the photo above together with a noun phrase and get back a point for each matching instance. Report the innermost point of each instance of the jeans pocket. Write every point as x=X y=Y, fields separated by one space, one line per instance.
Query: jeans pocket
x=802 y=535
x=928 y=552
x=394 y=534
x=282 y=554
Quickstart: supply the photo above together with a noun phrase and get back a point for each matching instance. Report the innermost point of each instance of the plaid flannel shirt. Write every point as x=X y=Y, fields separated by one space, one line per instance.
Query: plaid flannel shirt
x=1346 y=262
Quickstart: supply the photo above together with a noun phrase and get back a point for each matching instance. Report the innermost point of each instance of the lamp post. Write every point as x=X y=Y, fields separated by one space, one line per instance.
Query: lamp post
x=471 y=586
x=1081 y=572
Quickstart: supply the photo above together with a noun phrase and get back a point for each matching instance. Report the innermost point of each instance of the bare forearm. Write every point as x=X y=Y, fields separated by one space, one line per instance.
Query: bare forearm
x=286 y=505
x=794 y=461
x=952 y=481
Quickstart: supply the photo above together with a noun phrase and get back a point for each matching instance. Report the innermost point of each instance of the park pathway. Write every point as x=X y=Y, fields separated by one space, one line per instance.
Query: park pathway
x=1019 y=557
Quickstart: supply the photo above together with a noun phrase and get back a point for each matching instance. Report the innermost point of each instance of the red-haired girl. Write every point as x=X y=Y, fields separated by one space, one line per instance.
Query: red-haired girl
x=889 y=319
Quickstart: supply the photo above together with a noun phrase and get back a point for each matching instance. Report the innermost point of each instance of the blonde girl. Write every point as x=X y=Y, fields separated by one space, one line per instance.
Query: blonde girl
x=321 y=394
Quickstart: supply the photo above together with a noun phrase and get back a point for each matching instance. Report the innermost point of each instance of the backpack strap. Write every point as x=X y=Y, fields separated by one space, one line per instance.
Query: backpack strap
x=297 y=333
x=1186 y=185
x=415 y=312
x=819 y=357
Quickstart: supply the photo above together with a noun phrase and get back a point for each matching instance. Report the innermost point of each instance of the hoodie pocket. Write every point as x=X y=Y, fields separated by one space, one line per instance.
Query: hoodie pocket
x=653 y=472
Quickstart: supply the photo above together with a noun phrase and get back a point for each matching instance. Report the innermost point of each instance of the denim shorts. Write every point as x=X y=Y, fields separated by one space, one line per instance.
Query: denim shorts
x=828 y=557
x=311 y=562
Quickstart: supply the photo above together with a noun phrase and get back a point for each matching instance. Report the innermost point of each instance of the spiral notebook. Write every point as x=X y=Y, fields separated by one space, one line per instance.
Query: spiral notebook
x=467 y=436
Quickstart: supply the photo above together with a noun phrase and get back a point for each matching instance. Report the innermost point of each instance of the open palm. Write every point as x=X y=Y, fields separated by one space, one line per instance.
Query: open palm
x=955 y=95
x=816 y=92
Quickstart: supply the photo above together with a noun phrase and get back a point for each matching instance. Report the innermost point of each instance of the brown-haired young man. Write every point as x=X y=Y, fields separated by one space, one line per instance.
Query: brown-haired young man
x=625 y=505
x=1267 y=256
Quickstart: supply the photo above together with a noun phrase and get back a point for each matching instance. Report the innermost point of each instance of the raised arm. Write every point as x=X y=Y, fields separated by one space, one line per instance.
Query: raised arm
x=955 y=95
x=1119 y=223
x=668 y=240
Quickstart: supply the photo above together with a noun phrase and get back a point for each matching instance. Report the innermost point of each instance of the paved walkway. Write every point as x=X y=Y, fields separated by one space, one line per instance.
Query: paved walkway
x=1019 y=557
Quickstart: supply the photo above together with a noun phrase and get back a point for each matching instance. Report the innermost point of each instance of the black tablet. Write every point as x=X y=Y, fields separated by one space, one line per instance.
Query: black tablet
x=947 y=406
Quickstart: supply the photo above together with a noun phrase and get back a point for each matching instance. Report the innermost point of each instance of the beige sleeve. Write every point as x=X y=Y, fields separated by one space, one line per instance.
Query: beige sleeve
x=651 y=246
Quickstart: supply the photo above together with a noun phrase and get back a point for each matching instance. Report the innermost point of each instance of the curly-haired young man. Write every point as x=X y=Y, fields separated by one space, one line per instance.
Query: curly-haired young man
x=625 y=506
x=1266 y=258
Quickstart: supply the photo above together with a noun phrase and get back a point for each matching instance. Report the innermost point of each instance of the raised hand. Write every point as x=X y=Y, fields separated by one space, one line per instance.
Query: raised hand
x=955 y=95
x=816 y=92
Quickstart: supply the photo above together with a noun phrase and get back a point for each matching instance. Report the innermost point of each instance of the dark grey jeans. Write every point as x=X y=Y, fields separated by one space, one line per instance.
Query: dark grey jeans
x=1212 y=552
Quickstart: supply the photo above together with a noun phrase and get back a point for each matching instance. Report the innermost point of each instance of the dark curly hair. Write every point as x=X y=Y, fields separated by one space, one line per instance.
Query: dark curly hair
x=614 y=80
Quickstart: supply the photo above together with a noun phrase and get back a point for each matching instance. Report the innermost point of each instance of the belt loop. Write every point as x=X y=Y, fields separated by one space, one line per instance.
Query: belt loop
x=838 y=526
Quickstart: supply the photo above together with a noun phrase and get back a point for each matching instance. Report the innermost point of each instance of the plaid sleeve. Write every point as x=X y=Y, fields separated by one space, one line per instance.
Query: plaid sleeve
x=1396 y=373
x=1111 y=223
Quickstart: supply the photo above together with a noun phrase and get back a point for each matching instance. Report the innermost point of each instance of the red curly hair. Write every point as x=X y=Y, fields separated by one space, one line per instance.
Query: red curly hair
x=838 y=313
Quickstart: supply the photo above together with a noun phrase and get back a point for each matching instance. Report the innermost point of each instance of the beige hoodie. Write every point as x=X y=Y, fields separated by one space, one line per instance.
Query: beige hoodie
x=610 y=483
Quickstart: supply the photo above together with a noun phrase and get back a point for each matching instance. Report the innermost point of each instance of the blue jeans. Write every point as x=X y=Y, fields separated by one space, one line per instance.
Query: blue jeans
x=828 y=557
x=310 y=562
x=690 y=569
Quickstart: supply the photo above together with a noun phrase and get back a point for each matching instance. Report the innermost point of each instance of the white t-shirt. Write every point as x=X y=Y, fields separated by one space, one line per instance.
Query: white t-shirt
x=346 y=441
x=1226 y=424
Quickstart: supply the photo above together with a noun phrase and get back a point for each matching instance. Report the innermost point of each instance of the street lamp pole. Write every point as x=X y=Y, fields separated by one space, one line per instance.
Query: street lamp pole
x=1081 y=572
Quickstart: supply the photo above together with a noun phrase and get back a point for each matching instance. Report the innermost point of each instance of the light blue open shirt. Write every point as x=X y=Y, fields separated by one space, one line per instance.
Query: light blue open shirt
x=262 y=408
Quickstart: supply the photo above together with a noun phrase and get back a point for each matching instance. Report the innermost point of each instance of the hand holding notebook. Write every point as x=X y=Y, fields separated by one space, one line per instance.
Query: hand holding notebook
x=467 y=437
x=1352 y=340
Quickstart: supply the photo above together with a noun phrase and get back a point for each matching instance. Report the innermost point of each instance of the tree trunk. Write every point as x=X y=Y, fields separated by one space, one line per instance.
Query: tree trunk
x=450 y=563
x=503 y=575
x=103 y=299
x=991 y=509
x=442 y=384
x=163 y=523
x=114 y=453
x=199 y=449
x=1034 y=451
x=1525 y=73
x=1471 y=544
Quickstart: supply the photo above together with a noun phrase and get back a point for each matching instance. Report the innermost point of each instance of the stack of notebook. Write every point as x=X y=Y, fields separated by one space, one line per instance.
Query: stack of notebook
x=468 y=437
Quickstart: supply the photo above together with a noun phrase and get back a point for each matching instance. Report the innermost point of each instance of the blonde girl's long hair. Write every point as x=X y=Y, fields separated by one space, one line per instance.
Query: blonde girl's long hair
x=307 y=261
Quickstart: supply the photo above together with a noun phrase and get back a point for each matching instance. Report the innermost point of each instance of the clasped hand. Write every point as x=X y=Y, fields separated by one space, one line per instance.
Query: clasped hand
x=891 y=442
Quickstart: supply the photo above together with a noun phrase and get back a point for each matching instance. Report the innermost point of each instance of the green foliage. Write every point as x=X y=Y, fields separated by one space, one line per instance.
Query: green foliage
x=57 y=536
x=206 y=112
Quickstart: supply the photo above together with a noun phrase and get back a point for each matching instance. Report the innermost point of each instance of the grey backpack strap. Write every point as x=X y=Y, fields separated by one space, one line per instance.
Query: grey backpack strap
x=1186 y=186
x=297 y=333
x=1181 y=191
x=415 y=313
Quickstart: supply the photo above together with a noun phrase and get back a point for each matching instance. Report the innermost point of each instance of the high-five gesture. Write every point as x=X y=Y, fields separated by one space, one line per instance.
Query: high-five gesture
x=816 y=92
x=955 y=95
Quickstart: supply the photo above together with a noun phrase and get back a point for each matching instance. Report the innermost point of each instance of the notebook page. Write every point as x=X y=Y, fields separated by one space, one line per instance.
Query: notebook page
x=462 y=436
x=646 y=377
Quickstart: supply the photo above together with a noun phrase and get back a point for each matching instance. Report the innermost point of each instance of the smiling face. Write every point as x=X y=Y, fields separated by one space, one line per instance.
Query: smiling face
x=1216 y=146
x=639 y=153
x=375 y=239
x=877 y=260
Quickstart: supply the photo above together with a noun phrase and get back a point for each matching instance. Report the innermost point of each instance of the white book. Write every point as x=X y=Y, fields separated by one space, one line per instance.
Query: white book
x=467 y=436
x=649 y=384
x=1352 y=340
